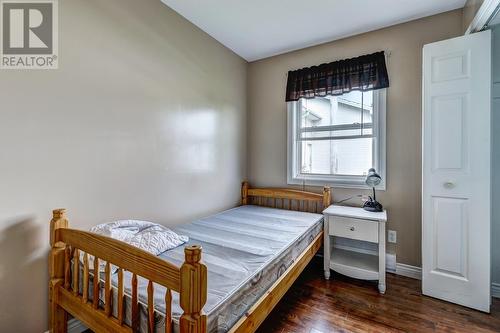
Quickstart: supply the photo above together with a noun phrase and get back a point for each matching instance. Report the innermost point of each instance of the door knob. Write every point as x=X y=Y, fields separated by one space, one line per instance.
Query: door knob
x=449 y=184
x=351 y=228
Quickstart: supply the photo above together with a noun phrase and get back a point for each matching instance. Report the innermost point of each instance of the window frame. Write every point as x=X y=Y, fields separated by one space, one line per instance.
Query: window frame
x=294 y=177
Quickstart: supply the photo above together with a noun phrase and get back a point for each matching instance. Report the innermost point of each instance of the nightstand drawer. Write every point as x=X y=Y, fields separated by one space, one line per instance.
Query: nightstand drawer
x=353 y=228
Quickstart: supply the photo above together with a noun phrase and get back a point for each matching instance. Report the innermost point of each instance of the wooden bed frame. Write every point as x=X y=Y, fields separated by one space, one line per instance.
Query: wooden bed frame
x=189 y=280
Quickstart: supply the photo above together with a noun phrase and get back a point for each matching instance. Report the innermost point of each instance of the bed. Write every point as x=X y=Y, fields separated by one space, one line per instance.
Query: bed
x=251 y=256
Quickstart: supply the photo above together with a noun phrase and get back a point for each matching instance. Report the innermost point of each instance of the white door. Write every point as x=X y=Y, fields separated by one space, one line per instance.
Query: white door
x=456 y=170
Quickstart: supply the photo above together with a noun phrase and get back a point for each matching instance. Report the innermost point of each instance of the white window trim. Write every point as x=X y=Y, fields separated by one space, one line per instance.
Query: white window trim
x=340 y=181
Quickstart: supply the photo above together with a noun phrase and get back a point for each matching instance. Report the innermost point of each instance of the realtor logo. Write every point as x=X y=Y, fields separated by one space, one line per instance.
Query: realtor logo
x=29 y=34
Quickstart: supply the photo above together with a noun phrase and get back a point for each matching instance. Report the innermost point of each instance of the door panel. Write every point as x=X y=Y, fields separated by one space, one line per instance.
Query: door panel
x=456 y=170
x=451 y=237
x=449 y=137
x=450 y=67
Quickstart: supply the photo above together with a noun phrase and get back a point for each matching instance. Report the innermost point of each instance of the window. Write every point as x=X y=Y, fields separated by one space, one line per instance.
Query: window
x=335 y=139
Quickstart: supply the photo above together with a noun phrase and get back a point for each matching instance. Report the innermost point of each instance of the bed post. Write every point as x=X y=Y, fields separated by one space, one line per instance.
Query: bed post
x=193 y=292
x=244 y=193
x=57 y=316
x=327 y=197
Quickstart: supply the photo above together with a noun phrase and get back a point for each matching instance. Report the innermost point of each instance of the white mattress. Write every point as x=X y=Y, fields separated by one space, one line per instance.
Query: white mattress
x=246 y=249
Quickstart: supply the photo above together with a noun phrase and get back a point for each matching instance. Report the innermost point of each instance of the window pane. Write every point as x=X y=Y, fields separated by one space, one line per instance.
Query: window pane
x=337 y=110
x=337 y=157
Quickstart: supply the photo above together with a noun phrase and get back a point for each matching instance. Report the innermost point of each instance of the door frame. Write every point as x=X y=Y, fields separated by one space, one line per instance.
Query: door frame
x=483 y=16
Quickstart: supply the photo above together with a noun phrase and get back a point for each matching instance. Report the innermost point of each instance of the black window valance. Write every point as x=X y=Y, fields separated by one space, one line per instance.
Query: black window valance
x=367 y=72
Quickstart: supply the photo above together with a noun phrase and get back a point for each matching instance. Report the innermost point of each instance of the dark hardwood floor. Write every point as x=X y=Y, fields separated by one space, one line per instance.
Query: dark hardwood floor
x=314 y=305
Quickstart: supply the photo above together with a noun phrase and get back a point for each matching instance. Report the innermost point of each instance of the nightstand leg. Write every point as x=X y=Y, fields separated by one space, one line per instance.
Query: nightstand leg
x=381 y=258
x=326 y=249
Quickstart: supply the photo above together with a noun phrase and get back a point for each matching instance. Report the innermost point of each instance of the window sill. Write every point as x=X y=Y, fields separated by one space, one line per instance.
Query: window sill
x=335 y=183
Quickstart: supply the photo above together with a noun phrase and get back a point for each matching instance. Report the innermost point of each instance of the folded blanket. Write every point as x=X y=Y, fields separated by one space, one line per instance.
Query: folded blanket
x=148 y=236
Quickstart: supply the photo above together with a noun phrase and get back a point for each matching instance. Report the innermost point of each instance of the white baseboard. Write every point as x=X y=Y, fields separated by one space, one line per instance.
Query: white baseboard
x=495 y=290
x=390 y=263
x=76 y=326
x=413 y=272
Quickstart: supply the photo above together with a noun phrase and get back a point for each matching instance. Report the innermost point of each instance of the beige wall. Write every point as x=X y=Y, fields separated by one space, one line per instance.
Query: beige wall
x=267 y=117
x=145 y=118
x=470 y=10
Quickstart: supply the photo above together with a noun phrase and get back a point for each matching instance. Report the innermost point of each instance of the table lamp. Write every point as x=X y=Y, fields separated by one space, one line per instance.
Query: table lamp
x=372 y=180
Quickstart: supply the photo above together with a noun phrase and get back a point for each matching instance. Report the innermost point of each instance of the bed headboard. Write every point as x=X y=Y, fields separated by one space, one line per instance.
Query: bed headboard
x=285 y=198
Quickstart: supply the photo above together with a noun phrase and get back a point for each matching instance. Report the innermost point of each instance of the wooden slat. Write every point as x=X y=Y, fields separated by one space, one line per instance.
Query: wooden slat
x=85 y=289
x=135 y=305
x=259 y=311
x=107 y=289
x=76 y=272
x=123 y=255
x=67 y=267
x=151 y=308
x=168 y=311
x=95 y=297
x=120 y=296
x=283 y=193
x=94 y=319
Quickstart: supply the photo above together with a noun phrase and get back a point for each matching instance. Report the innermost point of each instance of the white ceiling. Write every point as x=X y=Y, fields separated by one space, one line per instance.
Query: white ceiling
x=256 y=29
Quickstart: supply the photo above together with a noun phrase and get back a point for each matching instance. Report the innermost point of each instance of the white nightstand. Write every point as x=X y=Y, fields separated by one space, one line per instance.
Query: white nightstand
x=355 y=223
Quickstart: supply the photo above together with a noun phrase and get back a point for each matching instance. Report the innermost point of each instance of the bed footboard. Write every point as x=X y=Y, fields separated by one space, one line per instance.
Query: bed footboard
x=65 y=296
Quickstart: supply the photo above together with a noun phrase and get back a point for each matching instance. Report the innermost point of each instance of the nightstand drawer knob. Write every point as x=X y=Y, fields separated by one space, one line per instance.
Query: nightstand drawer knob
x=352 y=228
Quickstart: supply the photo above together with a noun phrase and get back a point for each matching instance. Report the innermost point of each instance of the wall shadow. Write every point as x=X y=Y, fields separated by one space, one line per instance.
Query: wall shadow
x=23 y=276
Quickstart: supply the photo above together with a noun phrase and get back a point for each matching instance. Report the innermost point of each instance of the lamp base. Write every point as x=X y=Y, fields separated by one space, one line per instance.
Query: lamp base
x=373 y=206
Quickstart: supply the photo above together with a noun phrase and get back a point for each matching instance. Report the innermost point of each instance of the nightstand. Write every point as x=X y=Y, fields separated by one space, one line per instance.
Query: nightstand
x=359 y=224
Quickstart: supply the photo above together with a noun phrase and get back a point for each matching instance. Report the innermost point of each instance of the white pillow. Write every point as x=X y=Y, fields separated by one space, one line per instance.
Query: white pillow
x=148 y=236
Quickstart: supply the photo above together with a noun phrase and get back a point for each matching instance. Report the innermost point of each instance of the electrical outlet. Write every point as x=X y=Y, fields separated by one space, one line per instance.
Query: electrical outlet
x=392 y=236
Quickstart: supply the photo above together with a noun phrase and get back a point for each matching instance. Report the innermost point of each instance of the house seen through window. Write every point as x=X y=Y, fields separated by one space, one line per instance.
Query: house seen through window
x=336 y=139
